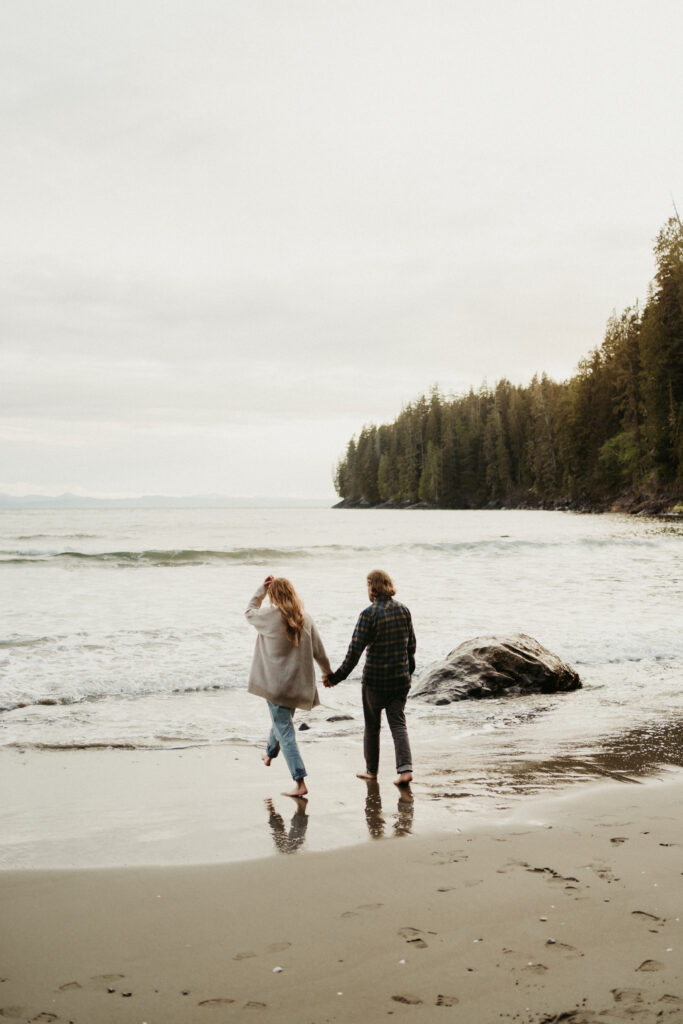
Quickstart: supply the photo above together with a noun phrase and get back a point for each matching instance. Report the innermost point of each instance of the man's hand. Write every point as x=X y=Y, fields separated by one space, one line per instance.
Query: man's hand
x=327 y=683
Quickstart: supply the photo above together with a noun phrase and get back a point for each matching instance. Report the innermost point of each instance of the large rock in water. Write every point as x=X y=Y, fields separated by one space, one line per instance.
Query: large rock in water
x=490 y=666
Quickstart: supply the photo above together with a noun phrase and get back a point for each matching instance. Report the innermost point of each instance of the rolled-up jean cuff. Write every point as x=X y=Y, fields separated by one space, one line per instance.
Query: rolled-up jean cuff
x=404 y=768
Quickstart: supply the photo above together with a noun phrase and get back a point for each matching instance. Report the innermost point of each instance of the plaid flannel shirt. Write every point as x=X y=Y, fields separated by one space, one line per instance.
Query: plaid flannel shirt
x=385 y=628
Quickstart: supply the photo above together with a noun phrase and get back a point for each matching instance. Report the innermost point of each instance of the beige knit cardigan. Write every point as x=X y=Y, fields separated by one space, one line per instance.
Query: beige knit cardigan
x=280 y=672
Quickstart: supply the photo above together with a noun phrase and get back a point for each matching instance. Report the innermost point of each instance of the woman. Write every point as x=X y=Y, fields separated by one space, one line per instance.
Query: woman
x=282 y=670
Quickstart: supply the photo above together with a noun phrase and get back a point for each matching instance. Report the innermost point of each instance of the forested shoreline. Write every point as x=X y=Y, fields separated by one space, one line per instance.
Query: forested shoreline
x=611 y=437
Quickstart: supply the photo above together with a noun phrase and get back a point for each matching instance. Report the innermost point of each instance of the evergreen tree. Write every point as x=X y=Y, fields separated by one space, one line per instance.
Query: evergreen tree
x=661 y=353
x=616 y=425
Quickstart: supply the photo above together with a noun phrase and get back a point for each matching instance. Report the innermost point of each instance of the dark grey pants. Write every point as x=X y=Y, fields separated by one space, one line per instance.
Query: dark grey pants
x=394 y=706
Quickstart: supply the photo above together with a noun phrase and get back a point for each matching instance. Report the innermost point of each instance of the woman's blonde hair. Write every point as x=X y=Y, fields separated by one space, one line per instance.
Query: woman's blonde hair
x=282 y=593
x=380 y=584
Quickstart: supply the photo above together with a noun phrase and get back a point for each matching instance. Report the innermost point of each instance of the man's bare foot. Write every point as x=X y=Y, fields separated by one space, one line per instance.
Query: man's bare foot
x=365 y=775
x=266 y=760
x=299 y=790
x=403 y=779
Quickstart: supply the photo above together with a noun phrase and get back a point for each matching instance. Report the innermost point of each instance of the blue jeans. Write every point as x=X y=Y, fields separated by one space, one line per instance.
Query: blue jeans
x=282 y=735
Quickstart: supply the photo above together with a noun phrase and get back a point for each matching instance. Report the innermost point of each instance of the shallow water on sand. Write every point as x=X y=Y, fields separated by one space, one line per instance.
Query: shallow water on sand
x=213 y=804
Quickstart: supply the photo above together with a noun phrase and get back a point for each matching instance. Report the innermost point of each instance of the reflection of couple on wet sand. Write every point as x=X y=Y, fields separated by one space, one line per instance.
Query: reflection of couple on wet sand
x=292 y=838
x=376 y=817
x=288 y=840
x=283 y=671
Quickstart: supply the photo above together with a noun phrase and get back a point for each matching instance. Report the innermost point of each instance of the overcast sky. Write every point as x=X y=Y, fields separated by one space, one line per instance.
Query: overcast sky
x=232 y=233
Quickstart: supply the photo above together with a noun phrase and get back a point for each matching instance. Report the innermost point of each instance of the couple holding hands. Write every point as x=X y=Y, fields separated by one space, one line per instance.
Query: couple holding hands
x=283 y=671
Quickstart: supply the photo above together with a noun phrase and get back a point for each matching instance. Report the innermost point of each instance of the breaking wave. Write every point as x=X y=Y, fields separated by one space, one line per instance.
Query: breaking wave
x=266 y=555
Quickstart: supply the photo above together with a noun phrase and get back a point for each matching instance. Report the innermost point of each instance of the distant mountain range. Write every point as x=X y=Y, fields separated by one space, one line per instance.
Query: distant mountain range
x=10 y=501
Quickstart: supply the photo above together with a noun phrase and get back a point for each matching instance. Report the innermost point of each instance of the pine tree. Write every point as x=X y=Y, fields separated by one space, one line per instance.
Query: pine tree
x=618 y=423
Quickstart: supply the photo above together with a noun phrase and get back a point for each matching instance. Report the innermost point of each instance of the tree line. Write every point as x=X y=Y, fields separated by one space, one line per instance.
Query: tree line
x=614 y=430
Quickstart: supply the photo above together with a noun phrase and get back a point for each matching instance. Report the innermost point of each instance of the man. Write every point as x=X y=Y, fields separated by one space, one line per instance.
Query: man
x=385 y=628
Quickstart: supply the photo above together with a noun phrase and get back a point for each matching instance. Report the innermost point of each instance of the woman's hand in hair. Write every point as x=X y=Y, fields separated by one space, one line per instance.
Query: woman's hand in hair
x=267 y=581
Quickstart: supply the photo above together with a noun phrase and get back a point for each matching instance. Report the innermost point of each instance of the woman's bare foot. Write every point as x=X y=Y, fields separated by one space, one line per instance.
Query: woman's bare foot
x=266 y=760
x=365 y=775
x=299 y=790
x=403 y=779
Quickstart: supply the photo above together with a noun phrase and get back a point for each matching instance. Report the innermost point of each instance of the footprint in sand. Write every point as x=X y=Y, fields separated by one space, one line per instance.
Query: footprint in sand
x=671 y=1000
x=278 y=947
x=650 y=965
x=215 y=1003
x=414 y=936
x=627 y=995
x=69 y=986
x=408 y=999
x=107 y=977
x=243 y=956
x=446 y=1000
x=618 y=840
x=535 y=968
x=644 y=913
x=553 y=875
x=253 y=1005
x=363 y=906
x=441 y=857
x=562 y=947
x=604 y=873
x=44 y=1018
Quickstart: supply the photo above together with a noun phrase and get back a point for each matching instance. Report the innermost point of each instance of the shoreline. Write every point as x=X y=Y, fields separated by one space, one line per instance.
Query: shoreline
x=662 y=507
x=109 y=808
x=570 y=907
x=212 y=804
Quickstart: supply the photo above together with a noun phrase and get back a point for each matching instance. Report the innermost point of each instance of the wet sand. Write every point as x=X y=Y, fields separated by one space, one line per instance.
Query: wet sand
x=565 y=908
x=135 y=807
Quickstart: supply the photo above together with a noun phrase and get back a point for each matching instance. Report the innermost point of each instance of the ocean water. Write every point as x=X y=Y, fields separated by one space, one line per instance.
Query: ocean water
x=125 y=628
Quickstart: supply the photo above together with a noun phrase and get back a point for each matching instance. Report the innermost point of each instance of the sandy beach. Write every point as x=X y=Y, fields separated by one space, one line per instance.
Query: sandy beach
x=566 y=908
